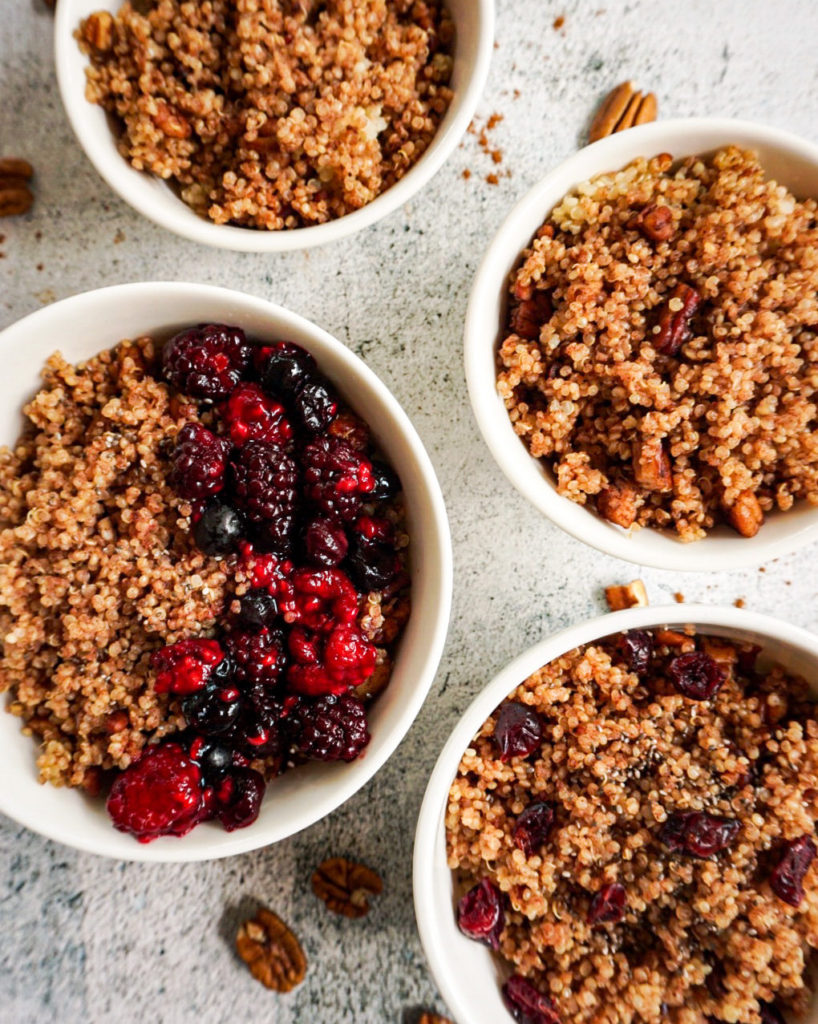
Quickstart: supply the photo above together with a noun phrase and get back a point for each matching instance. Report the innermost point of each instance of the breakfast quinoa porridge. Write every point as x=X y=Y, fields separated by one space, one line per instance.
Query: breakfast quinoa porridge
x=273 y=114
x=634 y=833
x=661 y=349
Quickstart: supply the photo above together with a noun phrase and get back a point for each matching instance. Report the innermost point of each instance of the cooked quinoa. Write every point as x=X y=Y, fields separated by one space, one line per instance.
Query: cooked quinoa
x=97 y=564
x=661 y=352
x=273 y=113
x=621 y=753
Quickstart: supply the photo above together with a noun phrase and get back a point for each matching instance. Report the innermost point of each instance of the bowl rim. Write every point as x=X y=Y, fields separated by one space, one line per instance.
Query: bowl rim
x=241 y=239
x=430 y=818
x=240 y=304
x=609 y=153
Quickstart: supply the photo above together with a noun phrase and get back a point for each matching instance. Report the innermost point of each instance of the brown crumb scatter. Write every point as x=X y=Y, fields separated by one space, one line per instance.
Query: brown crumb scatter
x=679 y=597
x=466 y=173
x=739 y=602
x=559 y=22
x=492 y=179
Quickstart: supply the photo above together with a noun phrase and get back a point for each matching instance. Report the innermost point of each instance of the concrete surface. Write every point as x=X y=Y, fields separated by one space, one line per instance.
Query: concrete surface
x=83 y=939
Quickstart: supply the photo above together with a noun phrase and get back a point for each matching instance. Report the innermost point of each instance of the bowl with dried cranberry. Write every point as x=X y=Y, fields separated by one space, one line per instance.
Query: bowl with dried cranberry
x=239 y=551
x=622 y=827
x=640 y=344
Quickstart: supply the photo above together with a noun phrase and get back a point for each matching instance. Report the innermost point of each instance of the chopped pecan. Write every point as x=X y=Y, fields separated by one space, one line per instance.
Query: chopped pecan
x=117 y=721
x=655 y=222
x=673 y=327
x=618 y=503
x=622 y=108
x=651 y=466
x=345 y=886
x=721 y=651
x=373 y=684
x=530 y=314
x=271 y=951
x=433 y=1018
x=745 y=514
x=98 y=30
x=673 y=638
x=92 y=780
x=170 y=122
x=626 y=595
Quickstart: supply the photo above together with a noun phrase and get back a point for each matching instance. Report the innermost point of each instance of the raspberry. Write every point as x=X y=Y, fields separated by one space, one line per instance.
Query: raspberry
x=266 y=482
x=240 y=797
x=287 y=367
x=267 y=571
x=185 y=667
x=160 y=794
x=251 y=416
x=336 y=477
x=320 y=598
x=332 y=729
x=206 y=361
x=259 y=657
x=349 y=656
x=199 y=462
x=332 y=664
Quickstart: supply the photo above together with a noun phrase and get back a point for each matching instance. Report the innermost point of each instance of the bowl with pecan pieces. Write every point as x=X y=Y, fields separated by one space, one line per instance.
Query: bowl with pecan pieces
x=276 y=124
x=621 y=828
x=641 y=345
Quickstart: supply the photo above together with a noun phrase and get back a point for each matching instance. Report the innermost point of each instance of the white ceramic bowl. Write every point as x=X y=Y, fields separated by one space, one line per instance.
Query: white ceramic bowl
x=786 y=158
x=156 y=200
x=86 y=324
x=467 y=974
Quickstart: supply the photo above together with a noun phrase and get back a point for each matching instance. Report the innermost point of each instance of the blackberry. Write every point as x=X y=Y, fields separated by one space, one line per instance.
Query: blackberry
x=257 y=608
x=251 y=416
x=259 y=657
x=259 y=732
x=199 y=462
x=218 y=530
x=212 y=711
x=287 y=367
x=332 y=729
x=206 y=361
x=313 y=406
x=336 y=477
x=266 y=481
x=240 y=796
x=326 y=543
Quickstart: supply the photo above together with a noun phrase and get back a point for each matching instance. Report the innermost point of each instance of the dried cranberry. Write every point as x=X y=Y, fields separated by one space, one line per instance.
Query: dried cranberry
x=698 y=833
x=259 y=657
x=336 y=477
x=218 y=530
x=332 y=728
x=527 y=1004
x=199 y=462
x=608 y=905
x=533 y=826
x=480 y=914
x=160 y=794
x=326 y=543
x=240 y=797
x=636 y=646
x=212 y=711
x=787 y=878
x=286 y=367
x=770 y=1014
x=257 y=608
x=185 y=667
x=747 y=657
x=206 y=361
x=313 y=406
x=696 y=675
x=251 y=416
x=518 y=730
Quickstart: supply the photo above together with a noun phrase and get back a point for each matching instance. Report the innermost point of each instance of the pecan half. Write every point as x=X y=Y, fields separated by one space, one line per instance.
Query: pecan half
x=529 y=315
x=345 y=886
x=271 y=951
x=622 y=108
x=626 y=595
x=655 y=222
x=618 y=503
x=15 y=195
x=651 y=466
x=745 y=514
x=673 y=327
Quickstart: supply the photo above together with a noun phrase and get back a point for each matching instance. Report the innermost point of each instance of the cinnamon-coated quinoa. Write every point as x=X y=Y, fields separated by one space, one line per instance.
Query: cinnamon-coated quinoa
x=273 y=113
x=651 y=427
x=701 y=939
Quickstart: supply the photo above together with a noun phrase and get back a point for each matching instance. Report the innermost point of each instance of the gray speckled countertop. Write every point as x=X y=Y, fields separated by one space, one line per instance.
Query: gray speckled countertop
x=86 y=939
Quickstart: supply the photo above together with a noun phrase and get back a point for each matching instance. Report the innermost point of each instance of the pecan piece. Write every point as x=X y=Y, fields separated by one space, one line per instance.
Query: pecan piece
x=15 y=195
x=673 y=328
x=117 y=721
x=433 y=1018
x=345 y=886
x=622 y=108
x=348 y=427
x=530 y=314
x=14 y=167
x=745 y=514
x=170 y=122
x=673 y=638
x=626 y=595
x=98 y=31
x=618 y=504
x=651 y=466
x=655 y=222
x=271 y=951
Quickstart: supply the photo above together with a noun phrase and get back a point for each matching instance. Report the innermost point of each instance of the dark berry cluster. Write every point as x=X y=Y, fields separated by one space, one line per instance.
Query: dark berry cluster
x=284 y=482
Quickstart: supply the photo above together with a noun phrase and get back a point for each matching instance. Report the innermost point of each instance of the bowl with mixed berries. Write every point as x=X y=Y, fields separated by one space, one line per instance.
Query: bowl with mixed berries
x=226 y=572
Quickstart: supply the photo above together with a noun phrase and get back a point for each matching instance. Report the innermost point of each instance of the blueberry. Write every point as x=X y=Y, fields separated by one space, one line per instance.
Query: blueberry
x=211 y=711
x=372 y=565
x=286 y=368
x=387 y=484
x=257 y=609
x=313 y=405
x=219 y=529
x=215 y=761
